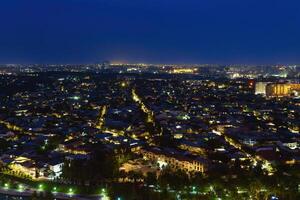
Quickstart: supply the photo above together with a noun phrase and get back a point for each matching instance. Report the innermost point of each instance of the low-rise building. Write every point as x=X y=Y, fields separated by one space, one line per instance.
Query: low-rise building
x=175 y=161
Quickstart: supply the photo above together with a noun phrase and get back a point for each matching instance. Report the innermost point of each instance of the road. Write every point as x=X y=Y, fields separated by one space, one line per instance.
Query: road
x=101 y=119
x=138 y=100
x=58 y=195
x=254 y=159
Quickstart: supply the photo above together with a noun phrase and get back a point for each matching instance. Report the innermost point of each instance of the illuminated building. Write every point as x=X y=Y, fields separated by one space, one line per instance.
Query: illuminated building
x=260 y=88
x=282 y=89
x=295 y=89
x=183 y=71
x=174 y=161
x=24 y=165
x=55 y=167
x=251 y=83
x=103 y=66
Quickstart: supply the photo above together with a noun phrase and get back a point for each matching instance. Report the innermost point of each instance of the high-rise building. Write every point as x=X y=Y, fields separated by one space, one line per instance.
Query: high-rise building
x=105 y=65
x=260 y=88
x=102 y=65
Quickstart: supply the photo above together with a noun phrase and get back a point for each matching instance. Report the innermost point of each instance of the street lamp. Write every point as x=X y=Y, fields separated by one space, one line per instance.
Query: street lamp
x=20 y=187
x=40 y=187
x=70 y=191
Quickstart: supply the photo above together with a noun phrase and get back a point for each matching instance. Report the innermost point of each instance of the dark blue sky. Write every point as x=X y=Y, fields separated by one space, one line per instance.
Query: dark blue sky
x=152 y=31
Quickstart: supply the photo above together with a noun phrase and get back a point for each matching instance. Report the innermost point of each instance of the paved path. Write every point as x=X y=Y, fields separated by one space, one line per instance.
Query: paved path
x=58 y=195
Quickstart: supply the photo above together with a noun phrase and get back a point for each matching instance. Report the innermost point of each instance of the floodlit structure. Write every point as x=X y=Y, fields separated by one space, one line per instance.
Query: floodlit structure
x=175 y=161
x=282 y=89
x=260 y=88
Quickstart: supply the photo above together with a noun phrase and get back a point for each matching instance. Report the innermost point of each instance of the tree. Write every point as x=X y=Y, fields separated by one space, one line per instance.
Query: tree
x=48 y=196
x=34 y=196
x=102 y=166
x=176 y=179
x=151 y=178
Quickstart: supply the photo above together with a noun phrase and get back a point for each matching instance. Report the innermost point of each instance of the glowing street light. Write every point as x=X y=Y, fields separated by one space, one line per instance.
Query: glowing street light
x=123 y=84
x=20 y=187
x=54 y=190
x=104 y=194
x=76 y=97
x=40 y=187
x=71 y=192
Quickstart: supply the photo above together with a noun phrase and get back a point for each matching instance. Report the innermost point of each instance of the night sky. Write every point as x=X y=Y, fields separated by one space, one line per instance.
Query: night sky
x=150 y=31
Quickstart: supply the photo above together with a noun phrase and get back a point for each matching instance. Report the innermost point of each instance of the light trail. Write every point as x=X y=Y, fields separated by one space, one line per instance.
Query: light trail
x=147 y=111
x=254 y=159
x=14 y=127
x=101 y=119
x=137 y=99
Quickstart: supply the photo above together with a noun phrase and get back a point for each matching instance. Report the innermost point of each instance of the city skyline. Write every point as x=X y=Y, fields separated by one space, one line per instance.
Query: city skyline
x=149 y=99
